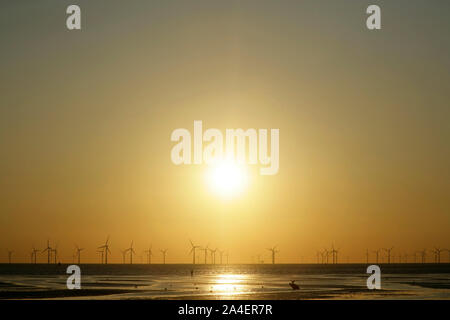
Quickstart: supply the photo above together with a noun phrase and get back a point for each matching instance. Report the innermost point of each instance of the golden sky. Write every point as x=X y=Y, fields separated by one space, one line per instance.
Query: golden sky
x=86 y=118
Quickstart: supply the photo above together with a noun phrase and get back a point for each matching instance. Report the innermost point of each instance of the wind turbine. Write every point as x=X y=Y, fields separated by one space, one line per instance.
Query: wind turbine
x=205 y=249
x=221 y=255
x=55 y=251
x=164 y=255
x=106 y=249
x=377 y=253
x=334 y=252
x=213 y=255
x=437 y=254
x=10 y=256
x=423 y=254
x=34 y=252
x=193 y=251
x=274 y=251
x=49 y=251
x=149 y=254
x=327 y=255
x=388 y=251
x=131 y=252
x=79 y=253
x=227 y=256
x=322 y=256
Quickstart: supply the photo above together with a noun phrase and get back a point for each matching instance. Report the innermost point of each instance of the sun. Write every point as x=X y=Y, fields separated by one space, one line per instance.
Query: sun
x=227 y=178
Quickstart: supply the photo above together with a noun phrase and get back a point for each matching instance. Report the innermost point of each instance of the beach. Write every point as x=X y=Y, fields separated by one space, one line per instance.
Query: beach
x=250 y=281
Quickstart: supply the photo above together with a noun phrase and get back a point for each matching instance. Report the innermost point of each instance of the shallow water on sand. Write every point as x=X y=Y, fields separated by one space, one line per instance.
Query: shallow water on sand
x=343 y=281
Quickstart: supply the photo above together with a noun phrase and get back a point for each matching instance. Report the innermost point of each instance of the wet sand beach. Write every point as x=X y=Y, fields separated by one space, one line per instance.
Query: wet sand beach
x=402 y=281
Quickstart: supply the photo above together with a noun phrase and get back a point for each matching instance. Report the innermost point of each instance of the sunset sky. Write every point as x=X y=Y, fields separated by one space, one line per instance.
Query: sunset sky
x=86 y=118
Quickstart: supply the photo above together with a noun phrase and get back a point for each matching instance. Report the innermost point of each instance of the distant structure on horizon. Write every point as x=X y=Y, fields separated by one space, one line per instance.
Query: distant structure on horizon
x=164 y=252
x=131 y=251
x=49 y=251
x=78 y=253
x=193 y=247
x=274 y=252
x=328 y=255
x=388 y=252
x=149 y=254
x=106 y=250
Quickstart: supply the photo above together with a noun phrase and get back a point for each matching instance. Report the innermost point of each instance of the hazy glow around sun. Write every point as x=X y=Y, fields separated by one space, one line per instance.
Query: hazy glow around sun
x=227 y=178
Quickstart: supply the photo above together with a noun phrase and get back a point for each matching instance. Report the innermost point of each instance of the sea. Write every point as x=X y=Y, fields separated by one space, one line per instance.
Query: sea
x=225 y=282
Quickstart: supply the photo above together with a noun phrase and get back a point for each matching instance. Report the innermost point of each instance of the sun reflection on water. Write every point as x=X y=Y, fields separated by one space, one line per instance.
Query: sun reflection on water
x=229 y=284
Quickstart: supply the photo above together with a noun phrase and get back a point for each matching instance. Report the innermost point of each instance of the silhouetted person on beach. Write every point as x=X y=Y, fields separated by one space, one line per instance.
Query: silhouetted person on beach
x=192 y=273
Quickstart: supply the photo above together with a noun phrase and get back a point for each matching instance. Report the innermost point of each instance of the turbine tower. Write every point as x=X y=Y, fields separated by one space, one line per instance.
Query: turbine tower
x=437 y=254
x=34 y=252
x=149 y=254
x=213 y=255
x=205 y=249
x=221 y=256
x=327 y=255
x=105 y=247
x=164 y=255
x=78 y=254
x=334 y=252
x=377 y=253
x=10 y=256
x=423 y=254
x=49 y=251
x=193 y=247
x=131 y=250
x=388 y=251
x=274 y=251
x=322 y=256
x=55 y=251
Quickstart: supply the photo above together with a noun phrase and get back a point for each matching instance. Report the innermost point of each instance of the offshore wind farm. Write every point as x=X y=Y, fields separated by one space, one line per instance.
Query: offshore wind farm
x=206 y=278
x=50 y=255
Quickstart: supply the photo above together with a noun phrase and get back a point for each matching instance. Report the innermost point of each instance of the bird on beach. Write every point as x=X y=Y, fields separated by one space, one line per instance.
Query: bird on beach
x=293 y=285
